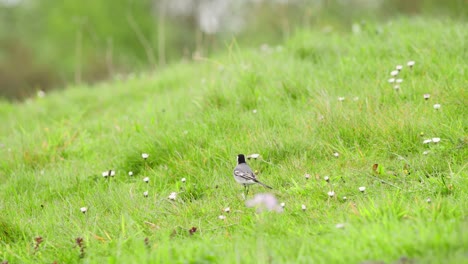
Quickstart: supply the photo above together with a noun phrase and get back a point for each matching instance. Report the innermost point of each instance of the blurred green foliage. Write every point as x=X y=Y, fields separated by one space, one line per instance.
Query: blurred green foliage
x=47 y=43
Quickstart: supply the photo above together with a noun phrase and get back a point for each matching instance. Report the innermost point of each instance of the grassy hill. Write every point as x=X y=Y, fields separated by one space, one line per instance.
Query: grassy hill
x=283 y=103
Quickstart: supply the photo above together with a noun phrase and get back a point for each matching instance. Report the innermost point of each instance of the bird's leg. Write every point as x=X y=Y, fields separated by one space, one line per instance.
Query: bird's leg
x=246 y=190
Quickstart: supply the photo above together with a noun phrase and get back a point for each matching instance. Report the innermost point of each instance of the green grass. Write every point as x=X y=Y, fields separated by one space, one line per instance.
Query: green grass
x=193 y=119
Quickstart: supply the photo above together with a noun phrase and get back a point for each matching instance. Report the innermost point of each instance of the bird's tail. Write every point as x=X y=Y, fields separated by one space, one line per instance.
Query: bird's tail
x=264 y=185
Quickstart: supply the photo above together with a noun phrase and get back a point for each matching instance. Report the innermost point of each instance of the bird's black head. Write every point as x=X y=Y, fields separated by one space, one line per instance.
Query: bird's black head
x=240 y=158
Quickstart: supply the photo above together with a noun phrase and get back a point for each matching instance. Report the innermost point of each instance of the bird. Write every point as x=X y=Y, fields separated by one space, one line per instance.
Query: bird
x=244 y=175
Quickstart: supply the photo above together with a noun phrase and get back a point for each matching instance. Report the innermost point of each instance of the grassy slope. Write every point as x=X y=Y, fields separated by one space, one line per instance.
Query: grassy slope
x=194 y=119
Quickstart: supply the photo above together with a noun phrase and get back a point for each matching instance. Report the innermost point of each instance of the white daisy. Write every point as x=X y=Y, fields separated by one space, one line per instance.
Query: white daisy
x=331 y=193
x=144 y=155
x=172 y=196
x=427 y=141
x=362 y=189
x=437 y=106
x=83 y=210
x=222 y=217
x=303 y=207
x=227 y=209
x=394 y=73
x=427 y=96
x=399 y=67
x=146 y=179
x=145 y=193
x=436 y=140
x=410 y=64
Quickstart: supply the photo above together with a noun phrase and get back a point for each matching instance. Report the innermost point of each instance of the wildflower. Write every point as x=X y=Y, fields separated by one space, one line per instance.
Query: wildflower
x=130 y=173
x=428 y=200
x=83 y=210
x=426 y=152
x=391 y=80
x=341 y=99
x=399 y=80
x=437 y=106
x=303 y=207
x=410 y=64
x=144 y=155
x=396 y=87
x=436 y=140
x=253 y=156
x=254 y=111
x=283 y=205
x=331 y=193
x=145 y=193
x=227 y=209
x=340 y=225
x=264 y=201
x=362 y=189
x=172 y=196
x=427 y=141
x=394 y=73
x=109 y=173
x=326 y=178
x=40 y=94
x=427 y=96
x=345 y=198
x=146 y=179
x=222 y=217
x=183 y=180
x=307 y=176
x=336 y=154
x=399 y=67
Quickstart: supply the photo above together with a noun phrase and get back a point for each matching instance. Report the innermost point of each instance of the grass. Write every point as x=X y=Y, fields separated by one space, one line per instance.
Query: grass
x=193 y=119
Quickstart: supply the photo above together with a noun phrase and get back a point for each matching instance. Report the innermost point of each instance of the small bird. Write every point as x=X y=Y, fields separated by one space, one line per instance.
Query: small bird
x=244 y=175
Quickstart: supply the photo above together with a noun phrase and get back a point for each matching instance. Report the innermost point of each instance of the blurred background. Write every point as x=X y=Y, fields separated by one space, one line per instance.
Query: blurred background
x=48 y=44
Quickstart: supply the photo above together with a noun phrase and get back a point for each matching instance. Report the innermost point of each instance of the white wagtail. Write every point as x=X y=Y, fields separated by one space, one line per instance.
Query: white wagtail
x=244 y=175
